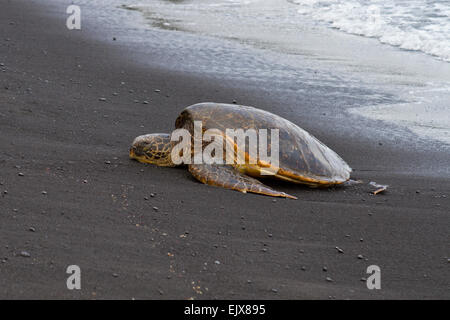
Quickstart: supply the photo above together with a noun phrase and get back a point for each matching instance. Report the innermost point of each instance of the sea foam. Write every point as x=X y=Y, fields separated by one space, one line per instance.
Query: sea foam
x=420 y=25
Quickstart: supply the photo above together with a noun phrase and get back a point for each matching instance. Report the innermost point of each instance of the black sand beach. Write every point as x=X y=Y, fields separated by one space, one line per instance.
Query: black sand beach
x=70 y=195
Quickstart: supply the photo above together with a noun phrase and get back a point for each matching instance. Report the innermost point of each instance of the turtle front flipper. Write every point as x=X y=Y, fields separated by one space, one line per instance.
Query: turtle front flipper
x=230 y=178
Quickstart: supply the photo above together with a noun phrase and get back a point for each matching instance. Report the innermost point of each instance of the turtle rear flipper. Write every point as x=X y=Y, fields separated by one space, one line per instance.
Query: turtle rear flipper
x=230 y=178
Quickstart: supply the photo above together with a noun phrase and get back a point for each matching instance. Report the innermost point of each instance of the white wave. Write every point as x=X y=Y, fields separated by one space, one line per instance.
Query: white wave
x=421 y=25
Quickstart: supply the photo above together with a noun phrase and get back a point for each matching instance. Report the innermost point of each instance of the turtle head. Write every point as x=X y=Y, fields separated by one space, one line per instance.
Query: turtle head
x=153 y=148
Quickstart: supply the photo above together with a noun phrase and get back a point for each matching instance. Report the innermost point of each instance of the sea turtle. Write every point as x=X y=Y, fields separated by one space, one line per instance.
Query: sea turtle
x=302 y=158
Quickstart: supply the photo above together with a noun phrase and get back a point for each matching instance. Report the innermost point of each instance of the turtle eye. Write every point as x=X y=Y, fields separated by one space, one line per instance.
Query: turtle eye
x=139 y=149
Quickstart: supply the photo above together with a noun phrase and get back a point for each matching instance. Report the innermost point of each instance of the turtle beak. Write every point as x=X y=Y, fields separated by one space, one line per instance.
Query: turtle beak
x=132 y=154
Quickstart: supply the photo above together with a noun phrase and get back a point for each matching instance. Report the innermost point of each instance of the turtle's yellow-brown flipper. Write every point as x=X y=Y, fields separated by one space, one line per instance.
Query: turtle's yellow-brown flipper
x=230 y=178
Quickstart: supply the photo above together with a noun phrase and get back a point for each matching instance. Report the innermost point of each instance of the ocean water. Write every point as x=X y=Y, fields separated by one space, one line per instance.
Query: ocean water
x=399 y=50
x=377 y=68
x=422 y=25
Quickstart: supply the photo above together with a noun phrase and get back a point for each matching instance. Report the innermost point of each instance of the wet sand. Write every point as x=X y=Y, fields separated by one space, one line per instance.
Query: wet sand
x=70 y=195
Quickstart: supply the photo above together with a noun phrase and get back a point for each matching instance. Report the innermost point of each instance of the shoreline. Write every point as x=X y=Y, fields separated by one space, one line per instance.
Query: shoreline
x=413 y=86
x=97 y=211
